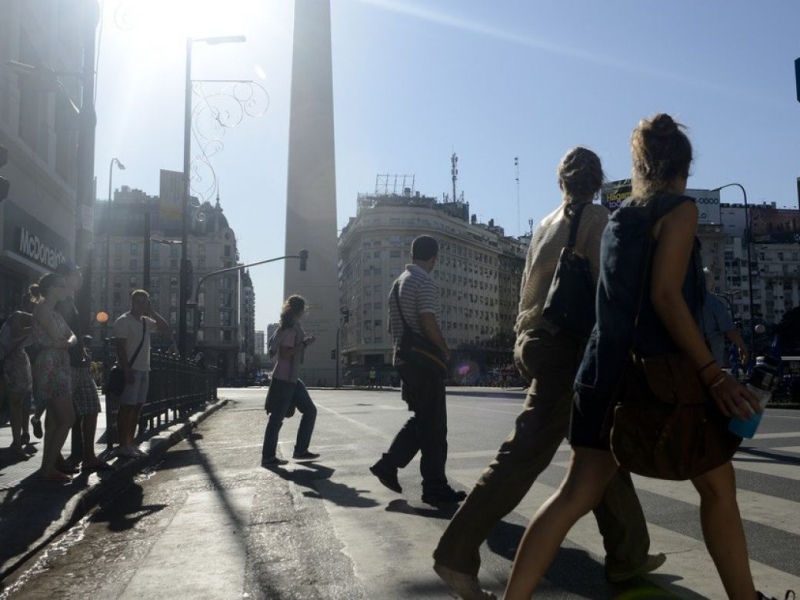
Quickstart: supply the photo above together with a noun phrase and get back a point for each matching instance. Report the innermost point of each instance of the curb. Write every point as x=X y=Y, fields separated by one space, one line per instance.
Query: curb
x=89 y=498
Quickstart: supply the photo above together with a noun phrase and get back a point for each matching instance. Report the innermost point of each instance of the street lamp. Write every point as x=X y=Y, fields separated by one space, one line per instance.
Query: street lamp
x=121 y=167
x=183 y=292
x=749 y=259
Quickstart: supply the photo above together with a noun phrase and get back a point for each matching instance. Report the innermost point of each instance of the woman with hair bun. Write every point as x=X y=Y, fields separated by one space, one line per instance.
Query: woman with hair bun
x=659 y=210
x=548 y=358
x=52 y=377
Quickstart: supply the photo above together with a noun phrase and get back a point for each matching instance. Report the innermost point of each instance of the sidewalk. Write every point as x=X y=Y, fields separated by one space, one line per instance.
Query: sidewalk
x=33 y=512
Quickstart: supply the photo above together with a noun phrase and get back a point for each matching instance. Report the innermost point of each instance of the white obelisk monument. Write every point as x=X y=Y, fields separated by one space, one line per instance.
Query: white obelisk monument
x=311 y=188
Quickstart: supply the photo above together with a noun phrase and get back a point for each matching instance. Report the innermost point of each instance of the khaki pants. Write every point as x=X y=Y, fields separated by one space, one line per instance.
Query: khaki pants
x=550 y=362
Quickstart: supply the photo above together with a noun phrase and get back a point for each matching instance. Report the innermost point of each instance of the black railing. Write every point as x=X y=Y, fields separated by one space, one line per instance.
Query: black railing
x=177 y=385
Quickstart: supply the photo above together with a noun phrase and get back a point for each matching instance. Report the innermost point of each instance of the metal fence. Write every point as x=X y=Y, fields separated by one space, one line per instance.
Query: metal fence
x=178 y=387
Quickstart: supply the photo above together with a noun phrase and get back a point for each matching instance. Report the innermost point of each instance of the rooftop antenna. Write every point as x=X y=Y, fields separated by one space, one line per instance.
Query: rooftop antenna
x=454 y=173
x=516 y=178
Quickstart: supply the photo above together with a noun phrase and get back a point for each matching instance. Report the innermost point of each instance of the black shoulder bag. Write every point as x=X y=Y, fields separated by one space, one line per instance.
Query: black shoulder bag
x=416 y=349
x=570 y=302
x=116 y=376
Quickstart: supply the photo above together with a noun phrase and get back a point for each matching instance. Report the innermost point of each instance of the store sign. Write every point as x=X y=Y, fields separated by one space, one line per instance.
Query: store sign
x=30 y=246
x=27 y=237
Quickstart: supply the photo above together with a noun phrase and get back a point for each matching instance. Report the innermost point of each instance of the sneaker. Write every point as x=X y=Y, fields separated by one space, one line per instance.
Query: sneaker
x=36 y=424
x=273 y=461
x=789 y=596
x=305 y=455
x=387 y=476
x=445 y=495
x=653 y=562
x=466 y=586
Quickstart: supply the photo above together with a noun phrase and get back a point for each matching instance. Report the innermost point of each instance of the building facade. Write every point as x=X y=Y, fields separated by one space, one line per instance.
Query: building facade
x=221 y=321
x=39 y=127
x=478 y=273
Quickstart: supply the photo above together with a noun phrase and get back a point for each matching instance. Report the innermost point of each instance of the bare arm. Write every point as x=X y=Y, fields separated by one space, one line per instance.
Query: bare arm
x=161 y=323
x=431 y=329
x=736 y=337
x=674 y=234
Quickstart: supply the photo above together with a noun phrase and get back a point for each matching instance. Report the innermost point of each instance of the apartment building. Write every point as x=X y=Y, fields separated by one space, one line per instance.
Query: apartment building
x=221 y=325
x=478 y=274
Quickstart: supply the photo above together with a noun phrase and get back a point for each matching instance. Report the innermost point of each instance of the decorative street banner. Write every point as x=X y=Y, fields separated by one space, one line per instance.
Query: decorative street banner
x=775 y=225
x=614 y=193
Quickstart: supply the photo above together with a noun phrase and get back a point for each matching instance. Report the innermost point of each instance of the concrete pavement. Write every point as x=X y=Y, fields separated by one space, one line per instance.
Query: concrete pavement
x=33 y=512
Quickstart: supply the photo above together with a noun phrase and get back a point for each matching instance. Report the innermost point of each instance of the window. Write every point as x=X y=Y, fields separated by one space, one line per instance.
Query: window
x=227 y=251
x=173 y=281
x=132 y=282
x=118 y=248
x=134 y=264
x=134 y=249
x=118 y=264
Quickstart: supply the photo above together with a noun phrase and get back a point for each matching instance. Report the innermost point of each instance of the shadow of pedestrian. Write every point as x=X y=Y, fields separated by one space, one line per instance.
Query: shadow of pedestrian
x=28 y=510
x=317 y=478
x=127 y=510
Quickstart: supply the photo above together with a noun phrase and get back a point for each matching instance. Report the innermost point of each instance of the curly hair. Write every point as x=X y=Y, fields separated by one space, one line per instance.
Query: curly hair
x=291 y=310
x=580 y=175
x=661 y=152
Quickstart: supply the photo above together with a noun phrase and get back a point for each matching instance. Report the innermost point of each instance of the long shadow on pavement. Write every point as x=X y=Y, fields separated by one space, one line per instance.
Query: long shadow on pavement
x=317 y=478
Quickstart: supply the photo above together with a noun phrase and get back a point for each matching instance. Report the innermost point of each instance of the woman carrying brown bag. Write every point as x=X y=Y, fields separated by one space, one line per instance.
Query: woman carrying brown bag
x=662 y=155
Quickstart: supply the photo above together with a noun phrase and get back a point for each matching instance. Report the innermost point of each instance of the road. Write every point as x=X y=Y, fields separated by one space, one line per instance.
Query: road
x=209 y=522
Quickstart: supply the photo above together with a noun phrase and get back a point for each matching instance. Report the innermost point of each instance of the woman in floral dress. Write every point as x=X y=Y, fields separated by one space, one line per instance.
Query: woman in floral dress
x=16 y=334
x=52 y=373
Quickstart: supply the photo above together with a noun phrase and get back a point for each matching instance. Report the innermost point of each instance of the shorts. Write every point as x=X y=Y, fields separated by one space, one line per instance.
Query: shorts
x=136 y=393
x=85 y=397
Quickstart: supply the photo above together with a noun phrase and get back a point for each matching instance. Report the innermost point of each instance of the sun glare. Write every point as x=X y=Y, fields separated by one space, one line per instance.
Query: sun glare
x=160 y=25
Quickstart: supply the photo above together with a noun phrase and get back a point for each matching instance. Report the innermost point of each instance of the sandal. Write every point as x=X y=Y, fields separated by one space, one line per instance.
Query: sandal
x=56 y=476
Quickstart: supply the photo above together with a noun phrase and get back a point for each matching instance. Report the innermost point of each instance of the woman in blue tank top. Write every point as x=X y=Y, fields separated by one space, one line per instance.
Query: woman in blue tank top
x=662 y=155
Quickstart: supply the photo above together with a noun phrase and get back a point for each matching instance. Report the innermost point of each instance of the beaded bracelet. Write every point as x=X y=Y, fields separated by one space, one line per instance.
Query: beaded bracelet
x=705 y=366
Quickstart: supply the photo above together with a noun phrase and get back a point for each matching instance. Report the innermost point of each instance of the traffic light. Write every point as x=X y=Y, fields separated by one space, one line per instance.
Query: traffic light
x=303 y=254
x=333 y=354
x=5 y=186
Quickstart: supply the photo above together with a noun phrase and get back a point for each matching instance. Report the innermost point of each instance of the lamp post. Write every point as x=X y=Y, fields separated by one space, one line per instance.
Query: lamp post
x=749 y=258
x=121 y=167
x=183 y=292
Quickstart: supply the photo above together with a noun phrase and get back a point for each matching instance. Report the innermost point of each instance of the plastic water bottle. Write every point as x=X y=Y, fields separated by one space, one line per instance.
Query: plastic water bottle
x=763 y=380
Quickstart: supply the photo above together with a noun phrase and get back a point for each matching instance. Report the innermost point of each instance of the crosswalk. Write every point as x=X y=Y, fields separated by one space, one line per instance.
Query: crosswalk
x=390 y=533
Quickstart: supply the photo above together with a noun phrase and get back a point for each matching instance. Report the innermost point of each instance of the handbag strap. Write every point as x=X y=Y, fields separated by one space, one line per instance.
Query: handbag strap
x=645 y=268
x=139 y=347
x=573 y=228
x=396 y=294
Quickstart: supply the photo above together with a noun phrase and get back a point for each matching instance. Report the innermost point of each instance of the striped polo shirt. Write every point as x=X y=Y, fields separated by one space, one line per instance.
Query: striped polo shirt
x=418 y=294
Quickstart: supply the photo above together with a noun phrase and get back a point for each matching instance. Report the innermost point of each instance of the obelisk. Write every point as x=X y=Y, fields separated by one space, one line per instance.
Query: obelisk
x=311 y=187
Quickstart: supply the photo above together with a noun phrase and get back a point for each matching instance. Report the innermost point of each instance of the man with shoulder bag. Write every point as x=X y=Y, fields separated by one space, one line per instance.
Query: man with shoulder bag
x=420 y=357
x=132 y=339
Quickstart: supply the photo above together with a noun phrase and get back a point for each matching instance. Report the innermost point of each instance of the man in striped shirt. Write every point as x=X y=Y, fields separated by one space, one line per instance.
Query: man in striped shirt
x=423 y=391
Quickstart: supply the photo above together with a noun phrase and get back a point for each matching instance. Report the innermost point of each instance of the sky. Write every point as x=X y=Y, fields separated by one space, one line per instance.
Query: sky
x=416 y=81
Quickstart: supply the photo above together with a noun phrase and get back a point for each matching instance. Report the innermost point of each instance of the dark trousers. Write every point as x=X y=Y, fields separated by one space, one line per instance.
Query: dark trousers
x=551 y=362
x=284 y=395
x=425 y=431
